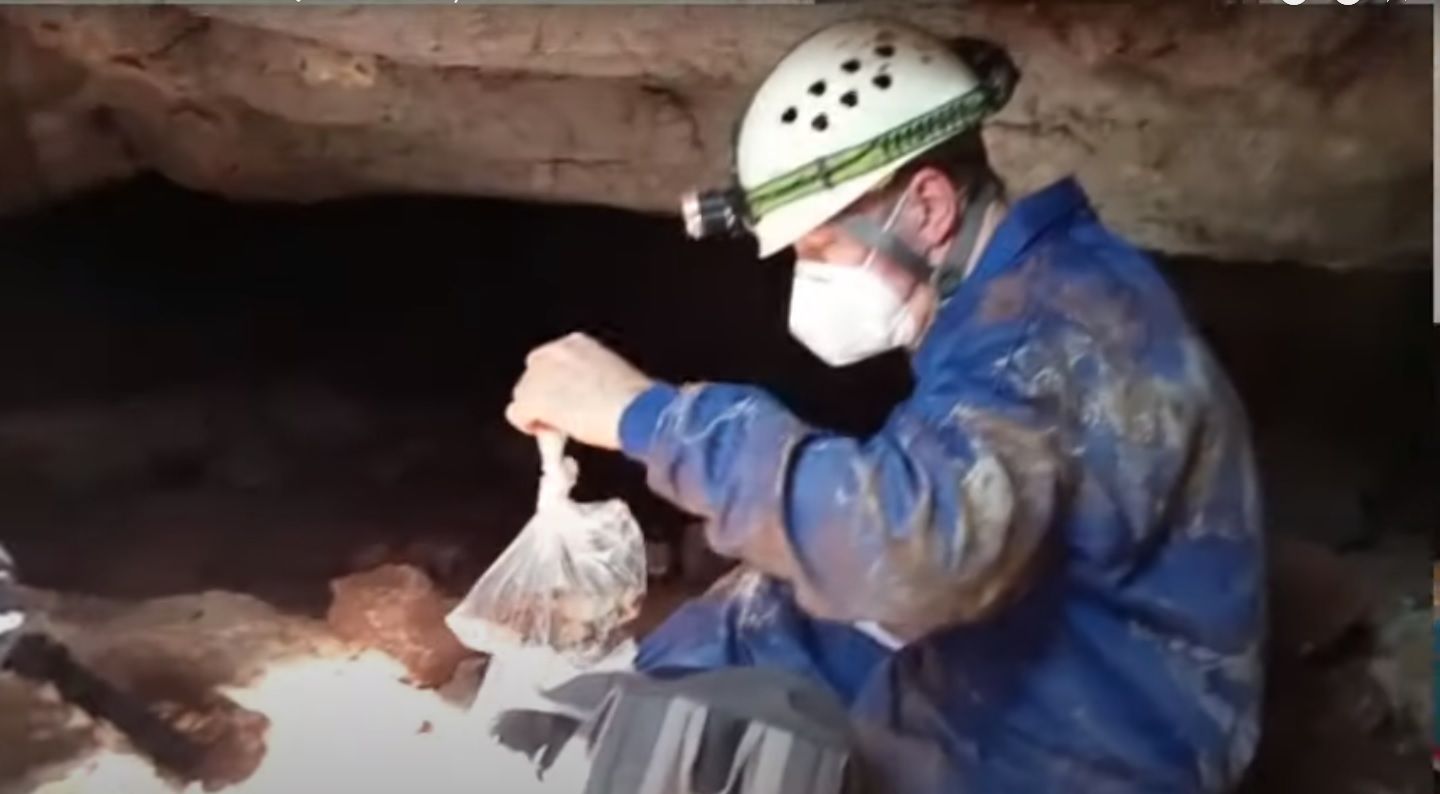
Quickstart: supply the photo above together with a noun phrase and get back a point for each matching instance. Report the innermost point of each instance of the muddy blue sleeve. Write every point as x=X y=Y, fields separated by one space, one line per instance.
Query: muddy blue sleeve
x=928 y=522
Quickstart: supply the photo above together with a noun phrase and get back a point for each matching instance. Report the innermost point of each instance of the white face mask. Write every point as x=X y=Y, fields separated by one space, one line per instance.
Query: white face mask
x=847 y=313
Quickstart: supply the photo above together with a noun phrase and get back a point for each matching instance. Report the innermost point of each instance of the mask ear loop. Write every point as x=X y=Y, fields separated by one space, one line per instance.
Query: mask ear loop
x=882 y=240
x=886 y=226
x=953 y=270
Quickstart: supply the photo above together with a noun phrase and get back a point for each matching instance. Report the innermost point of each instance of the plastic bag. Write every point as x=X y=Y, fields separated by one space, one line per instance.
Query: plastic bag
x=569 y=584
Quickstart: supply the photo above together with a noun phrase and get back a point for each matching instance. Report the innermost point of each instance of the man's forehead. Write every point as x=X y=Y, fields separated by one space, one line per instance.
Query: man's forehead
x=830 y=233
x=833 y=229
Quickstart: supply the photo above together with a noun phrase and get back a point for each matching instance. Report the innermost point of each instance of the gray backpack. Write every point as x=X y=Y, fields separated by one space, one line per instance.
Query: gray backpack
x=742 y=730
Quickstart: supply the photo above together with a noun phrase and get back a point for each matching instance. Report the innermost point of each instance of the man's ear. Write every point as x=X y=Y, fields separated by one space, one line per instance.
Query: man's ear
x=936 y=207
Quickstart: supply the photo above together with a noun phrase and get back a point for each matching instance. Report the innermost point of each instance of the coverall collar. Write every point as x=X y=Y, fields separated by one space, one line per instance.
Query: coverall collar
x=1025 y=221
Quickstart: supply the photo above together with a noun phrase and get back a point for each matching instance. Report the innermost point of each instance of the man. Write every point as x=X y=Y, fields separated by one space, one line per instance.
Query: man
x=1045 y=572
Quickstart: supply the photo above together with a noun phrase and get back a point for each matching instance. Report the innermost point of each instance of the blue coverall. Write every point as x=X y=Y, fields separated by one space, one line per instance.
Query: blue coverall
x=1435 y=695
x=1062 y=519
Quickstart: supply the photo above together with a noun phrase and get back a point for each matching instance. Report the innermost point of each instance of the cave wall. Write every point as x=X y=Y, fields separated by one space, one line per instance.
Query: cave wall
x=1257 y=133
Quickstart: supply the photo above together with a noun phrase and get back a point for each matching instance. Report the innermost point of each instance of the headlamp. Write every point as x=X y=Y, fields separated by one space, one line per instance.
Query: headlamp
x=714 y=213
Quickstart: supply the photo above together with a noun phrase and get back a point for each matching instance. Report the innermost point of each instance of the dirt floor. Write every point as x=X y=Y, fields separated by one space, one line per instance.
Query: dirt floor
x=1348 y=684
x=196 y=441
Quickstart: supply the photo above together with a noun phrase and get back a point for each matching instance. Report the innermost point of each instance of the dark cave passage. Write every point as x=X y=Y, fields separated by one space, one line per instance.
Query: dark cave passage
x=200 y=394
x=257 y=394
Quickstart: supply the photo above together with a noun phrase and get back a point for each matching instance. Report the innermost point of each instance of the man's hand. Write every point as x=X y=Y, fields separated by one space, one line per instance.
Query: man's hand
x=577 y=386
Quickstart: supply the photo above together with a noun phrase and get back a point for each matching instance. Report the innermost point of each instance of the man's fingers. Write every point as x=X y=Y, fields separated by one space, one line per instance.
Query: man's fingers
x=521 y=419
x=585 y=342
x=568 y=341
x=567 y=348
x=525 y=383
x=526 y=389
x=551 y=356
x=538 y=355
x=544 y=350
x=578 y=345
x=545 y=392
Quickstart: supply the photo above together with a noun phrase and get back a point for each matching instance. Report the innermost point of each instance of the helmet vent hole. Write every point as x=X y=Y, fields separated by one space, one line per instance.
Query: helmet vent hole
x=882 y=81
x=817 y=88
x=851 y=66
x=850 y=99
x=885 y=50
x=820 y=123
x=789 y=115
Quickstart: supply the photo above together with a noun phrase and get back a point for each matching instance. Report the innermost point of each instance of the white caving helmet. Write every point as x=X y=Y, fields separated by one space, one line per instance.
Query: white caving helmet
x=844 y=110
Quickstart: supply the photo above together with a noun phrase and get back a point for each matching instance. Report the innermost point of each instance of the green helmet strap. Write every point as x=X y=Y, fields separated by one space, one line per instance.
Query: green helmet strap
x=953 y=118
